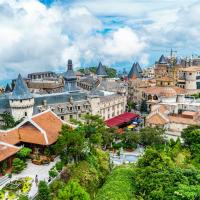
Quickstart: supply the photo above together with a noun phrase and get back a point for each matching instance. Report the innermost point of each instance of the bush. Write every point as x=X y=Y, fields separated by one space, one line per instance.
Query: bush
x=65 y=175
x=119 y=185
x=59 y=166
x=24 y=153
x=43 y=191
x=53 y=172
x=73 y=190
x=18 y=165
x=23 y=197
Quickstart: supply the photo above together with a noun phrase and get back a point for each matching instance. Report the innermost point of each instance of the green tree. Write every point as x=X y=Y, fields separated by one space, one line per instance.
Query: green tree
x=23 y=197
x=131 y=139
x=108 y=137
x=93 y=127
x=131 y=105
x=24 y=153
x=191 y=135
x=143 y=106
x=70 y=144
x=74 y=191
x=43 y=191
x=151 y=136
x=18 y=165
x=8 y=121
x=119 y=185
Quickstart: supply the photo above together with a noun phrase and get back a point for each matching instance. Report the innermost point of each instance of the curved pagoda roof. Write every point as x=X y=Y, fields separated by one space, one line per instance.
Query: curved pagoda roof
x=101 y=71
x=20 y=90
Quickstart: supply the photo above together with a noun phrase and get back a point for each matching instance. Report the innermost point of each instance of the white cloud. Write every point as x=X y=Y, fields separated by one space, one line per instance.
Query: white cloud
x=124 y=44
x=36 y=38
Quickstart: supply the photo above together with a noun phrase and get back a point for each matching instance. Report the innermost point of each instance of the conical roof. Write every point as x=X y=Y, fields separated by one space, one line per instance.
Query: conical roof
x=134 y=72
x=162 y=60
x=8 y=88
x=138 y=67
x=101 y=71
x=21 y=90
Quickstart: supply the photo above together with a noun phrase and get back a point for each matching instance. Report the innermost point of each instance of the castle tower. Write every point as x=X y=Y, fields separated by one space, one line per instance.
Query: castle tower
x=21 y=101
x=70 y=78
x=101 y=71
x=135 y=71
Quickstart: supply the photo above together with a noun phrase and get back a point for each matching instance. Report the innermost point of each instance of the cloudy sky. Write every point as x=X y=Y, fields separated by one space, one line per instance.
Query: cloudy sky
x=41 y=35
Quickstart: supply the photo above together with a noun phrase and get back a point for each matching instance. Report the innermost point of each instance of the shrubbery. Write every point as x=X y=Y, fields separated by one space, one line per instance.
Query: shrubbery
x=18 y=165
x=118 y=185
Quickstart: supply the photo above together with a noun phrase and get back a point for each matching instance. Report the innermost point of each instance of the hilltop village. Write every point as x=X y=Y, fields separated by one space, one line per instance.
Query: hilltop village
x=119 y=114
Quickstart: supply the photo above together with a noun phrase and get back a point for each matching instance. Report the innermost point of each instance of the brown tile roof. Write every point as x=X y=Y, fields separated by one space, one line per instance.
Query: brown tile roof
x=30 y=134
x=156 y=119
x=158 y=90
x=7 y=150
x=182 y=120
x=51 y=124
x=10 y=136
x=41 y=129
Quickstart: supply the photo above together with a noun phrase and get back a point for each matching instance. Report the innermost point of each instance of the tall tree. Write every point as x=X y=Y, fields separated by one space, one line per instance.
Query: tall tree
x=72 y=191
x=152 y=136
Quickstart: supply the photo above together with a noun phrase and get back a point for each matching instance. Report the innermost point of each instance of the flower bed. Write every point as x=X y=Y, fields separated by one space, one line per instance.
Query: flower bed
x=15 y=188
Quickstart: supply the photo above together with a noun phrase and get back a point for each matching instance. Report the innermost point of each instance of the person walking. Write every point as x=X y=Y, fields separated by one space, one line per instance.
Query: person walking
x=36 y=180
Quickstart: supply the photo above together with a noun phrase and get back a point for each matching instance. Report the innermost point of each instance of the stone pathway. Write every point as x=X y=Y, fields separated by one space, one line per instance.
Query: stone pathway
x=31 y=170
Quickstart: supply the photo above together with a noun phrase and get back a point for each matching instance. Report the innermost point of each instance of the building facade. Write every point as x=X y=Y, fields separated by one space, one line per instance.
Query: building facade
x=71 y=102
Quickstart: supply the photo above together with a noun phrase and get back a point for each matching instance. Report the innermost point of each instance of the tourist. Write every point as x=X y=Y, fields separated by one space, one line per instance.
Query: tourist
x=36 y=179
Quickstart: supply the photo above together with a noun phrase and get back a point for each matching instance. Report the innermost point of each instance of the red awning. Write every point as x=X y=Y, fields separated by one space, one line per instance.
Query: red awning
x=121 y=119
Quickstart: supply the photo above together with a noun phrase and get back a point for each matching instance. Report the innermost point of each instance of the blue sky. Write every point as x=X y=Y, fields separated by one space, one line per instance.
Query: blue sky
x=41 y=35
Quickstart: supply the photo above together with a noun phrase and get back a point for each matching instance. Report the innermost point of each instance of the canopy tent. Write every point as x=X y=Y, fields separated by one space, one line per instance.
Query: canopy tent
x=121 y=119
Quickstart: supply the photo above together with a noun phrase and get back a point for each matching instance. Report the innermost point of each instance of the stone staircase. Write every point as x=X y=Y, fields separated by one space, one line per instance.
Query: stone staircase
x=3 y=180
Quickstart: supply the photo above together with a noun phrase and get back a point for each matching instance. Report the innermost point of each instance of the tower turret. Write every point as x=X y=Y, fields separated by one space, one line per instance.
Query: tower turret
x=21 y=101
x=70 y=78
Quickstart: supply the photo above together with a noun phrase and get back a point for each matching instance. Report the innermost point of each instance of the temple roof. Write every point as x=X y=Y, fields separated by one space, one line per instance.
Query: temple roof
x=101 y=71
x=21 y=90
x=162 y=60
x=134 y=71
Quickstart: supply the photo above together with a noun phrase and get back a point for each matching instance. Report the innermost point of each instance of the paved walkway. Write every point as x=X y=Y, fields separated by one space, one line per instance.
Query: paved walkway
x=31 y=170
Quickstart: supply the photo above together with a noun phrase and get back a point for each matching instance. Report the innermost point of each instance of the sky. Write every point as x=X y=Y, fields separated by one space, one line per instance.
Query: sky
x=40 y=35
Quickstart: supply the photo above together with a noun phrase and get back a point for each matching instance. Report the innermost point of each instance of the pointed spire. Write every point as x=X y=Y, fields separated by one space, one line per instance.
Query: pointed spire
x=101 y=71
x=138 y=67
x=8 y=88
x=134 y=72
x=21 y=90
x=178 y=61
x=162 y=60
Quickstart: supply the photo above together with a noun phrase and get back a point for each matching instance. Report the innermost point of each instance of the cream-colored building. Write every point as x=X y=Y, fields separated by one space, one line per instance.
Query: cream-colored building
x=174 y=112
x=191 y=77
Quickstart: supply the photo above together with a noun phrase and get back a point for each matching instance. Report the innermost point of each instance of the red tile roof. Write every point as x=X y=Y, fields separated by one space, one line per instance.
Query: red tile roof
x=7 y=150
x=41 y=129
x=121 y=119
